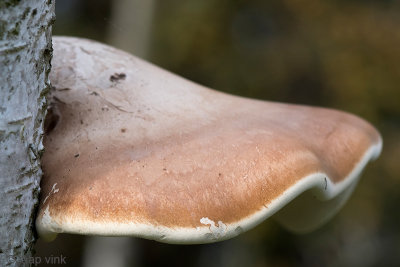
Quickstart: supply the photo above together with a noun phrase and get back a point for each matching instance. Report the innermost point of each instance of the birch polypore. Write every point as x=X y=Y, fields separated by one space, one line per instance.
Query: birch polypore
x=134 y=150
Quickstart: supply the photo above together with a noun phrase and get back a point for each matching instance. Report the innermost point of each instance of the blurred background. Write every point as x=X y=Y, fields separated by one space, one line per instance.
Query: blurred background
x=332 y=53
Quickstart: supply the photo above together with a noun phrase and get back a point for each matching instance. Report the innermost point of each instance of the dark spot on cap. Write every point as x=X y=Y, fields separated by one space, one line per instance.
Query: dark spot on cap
x=117 y=76
x=76 y=155
x=123 y=130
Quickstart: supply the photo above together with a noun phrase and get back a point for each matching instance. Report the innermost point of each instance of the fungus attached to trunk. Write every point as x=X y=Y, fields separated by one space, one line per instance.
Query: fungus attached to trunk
x=135 y=150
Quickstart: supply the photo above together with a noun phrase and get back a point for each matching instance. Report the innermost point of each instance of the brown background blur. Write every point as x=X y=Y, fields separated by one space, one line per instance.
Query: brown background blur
x=343 y=54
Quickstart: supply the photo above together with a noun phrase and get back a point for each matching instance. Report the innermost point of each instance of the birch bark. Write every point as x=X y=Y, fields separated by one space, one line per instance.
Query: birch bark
x=25 y=54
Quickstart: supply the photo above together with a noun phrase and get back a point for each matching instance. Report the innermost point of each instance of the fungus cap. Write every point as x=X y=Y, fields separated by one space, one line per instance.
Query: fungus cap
x=134 y=150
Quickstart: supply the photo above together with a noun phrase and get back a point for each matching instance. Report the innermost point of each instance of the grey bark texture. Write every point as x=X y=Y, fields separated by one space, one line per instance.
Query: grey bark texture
x=25 y=54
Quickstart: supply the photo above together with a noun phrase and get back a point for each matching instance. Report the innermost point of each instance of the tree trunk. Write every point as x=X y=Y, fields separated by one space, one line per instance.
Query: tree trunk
x=25 y=54
x=130 y=26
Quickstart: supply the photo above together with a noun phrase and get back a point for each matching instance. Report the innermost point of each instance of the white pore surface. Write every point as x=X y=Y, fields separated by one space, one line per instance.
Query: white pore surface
x=319 y=184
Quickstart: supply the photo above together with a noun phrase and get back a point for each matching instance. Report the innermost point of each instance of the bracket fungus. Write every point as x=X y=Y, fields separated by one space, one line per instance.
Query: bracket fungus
x=134 y=150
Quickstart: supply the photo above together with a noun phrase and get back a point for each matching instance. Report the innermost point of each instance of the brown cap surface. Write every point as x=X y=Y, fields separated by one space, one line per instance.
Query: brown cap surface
x=134 y=150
